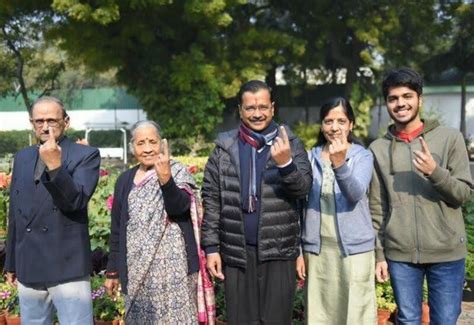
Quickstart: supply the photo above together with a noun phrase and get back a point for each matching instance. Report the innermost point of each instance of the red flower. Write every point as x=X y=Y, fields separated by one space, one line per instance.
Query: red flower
x=300 y=284
x=193 y=169
x=103 y=172
x=5 y=180
x=110 y=202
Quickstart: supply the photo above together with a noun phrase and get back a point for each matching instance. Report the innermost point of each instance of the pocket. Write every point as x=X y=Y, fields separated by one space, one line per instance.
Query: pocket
x=400 y=227
x=356 y=225
x=435 y=232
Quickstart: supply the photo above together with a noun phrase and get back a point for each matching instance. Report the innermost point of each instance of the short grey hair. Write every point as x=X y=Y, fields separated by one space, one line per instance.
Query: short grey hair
x=140 y=125
x=50 y=99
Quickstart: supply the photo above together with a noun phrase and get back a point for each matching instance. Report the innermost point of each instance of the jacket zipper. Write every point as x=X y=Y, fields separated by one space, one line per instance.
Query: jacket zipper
x=417 y=243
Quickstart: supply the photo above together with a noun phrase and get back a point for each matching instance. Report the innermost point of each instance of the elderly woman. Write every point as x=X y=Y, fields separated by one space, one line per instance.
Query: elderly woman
x=338 y=239
x=154 y=240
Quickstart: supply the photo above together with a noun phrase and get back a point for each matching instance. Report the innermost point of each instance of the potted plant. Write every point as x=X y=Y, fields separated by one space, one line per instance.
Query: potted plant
x=4 y=295
x=107 y=310
x=385 y=302
x=12 y=305
x=425 y=309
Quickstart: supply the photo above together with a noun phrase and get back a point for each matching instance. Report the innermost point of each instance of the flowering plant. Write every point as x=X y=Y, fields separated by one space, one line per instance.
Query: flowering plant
x=298 y=303
x=385 y=297
x=5 y=180
x=220 y=300
x=4 y=296
x=100 y=206
x=106 y=308
x=9 y=299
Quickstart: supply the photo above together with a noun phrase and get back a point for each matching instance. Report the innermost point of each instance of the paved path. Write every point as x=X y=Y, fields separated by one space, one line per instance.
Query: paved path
x=467 y=314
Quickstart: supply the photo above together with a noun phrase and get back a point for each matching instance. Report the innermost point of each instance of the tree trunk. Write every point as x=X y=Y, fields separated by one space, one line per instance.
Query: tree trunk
x=19 y=69
x=306 y=97
x=462 y=127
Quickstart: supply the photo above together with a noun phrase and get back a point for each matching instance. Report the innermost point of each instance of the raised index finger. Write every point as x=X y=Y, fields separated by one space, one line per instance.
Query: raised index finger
x=164 y=148
x=51 y=138
x=284 y=135
x=424 y=146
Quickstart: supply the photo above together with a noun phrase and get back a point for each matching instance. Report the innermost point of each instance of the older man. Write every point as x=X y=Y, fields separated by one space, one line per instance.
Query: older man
x=48 y=249
x=253 y=182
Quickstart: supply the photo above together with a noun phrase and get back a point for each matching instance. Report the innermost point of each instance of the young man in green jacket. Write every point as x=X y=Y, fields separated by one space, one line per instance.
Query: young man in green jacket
x=421 y=179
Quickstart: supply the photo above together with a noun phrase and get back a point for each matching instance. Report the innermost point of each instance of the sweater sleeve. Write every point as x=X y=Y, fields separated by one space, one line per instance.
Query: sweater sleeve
x=355 y=183
x=378 y=202
x=211 y=202
x=454 y=183
x=114 y=237
x=176 y=200
x=296 y=178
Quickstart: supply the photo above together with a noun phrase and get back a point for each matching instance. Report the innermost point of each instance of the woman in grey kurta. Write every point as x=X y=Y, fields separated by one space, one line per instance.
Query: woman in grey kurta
x=338 y=239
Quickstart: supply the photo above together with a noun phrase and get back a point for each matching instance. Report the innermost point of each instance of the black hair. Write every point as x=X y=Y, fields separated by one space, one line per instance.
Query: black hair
x=253 y=86
x=403 y=77
x=327 y=106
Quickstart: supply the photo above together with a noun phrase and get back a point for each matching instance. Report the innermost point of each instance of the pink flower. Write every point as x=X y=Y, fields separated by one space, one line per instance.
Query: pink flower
x=193 y=169
x=300 y=284
x=103 y=172
x=110 y=202
x=5 y=180
x=5 y=294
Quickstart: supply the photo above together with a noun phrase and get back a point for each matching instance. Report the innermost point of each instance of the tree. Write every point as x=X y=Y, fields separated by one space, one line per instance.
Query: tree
x=181 y=58
x=351 y=43
x=27 y=62
x=458 y=54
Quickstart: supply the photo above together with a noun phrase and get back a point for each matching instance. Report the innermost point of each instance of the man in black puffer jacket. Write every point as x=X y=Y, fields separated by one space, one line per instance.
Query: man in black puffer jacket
x=254 y=182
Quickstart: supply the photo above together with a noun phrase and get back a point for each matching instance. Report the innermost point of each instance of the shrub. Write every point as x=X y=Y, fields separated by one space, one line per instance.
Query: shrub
x=106 y=308
x=298 y=304
x=9 y=299
x=385 y=297
x=308 y=133
x=220 y=300
x=100 y=207
x=468 y=212
x=13 y=141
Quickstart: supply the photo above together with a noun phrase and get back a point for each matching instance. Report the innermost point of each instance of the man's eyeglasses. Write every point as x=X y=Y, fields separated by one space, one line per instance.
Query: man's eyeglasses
x=52 y=122
x=253 y=109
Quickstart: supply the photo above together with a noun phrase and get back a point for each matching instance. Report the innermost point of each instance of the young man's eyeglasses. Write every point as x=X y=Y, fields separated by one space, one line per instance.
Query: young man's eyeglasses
x=253 y=109
x=52 y=122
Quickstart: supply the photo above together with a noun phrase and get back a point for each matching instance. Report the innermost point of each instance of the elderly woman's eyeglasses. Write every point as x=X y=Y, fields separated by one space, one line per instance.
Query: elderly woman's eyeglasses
x=52 y=122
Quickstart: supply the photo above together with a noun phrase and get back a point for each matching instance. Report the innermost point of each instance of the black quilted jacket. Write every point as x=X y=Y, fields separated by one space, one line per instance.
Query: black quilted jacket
x=278 y=230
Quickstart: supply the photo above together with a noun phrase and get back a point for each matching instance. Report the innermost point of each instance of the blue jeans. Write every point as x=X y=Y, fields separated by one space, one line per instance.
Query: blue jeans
x=445 y=284
x=72 y=300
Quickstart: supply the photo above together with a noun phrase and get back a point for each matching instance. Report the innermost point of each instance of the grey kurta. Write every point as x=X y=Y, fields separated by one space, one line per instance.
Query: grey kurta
x=340 y=289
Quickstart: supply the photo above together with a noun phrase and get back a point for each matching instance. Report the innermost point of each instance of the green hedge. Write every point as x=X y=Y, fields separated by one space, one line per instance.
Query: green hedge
x=13 y=141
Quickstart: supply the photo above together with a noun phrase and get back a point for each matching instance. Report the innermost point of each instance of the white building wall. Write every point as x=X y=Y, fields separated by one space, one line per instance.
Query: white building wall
x=80 y=119
x=444 y=107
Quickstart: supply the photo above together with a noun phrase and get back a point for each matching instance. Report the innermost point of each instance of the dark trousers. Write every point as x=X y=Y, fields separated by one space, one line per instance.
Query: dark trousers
x=261 y=294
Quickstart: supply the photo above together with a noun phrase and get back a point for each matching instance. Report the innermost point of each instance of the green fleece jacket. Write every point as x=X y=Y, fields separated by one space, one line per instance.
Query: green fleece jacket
x=418 y=218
